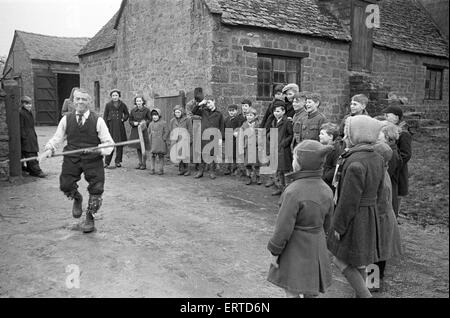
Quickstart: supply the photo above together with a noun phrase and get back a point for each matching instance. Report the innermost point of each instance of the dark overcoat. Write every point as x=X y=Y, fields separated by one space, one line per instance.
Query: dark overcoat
x=158 y=135
x=136 y=117
x=405 y=152
x=355 y=217
x=28 y=137
x=115 y=118
x=285 y=135
x=299 y=236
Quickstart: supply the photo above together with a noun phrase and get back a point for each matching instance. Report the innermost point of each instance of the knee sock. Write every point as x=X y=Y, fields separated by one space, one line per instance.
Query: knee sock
x=353 y=276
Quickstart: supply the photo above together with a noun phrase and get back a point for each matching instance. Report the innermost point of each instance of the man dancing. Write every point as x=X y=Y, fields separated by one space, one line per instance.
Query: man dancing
x=82 y=129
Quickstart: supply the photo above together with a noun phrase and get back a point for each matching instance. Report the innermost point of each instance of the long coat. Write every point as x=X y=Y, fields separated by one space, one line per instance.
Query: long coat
x=210 y=119
x=185 y=123
x=329 y=166
x=114 y=118
x=28 y=137
x=299 y=236
x=390 y=245
x=136 y=117
x=285 y=135
x=355 y=217
x=405 y=152
x=394 y=167
x=158 y=135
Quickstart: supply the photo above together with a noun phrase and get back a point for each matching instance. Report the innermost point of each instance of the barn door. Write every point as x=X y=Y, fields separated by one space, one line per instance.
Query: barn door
x=45 y=98
x=167 y=103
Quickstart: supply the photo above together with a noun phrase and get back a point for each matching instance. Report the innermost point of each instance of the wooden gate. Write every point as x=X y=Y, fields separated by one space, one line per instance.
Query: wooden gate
x=167 y=103
x=45 y=99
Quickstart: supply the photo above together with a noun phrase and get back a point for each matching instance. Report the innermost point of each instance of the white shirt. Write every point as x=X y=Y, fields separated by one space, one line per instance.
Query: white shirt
x=102 y=131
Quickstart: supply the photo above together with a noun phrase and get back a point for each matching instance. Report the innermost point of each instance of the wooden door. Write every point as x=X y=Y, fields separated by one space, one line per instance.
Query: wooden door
x=361 y=46
x=46 y=98
x=167 y=103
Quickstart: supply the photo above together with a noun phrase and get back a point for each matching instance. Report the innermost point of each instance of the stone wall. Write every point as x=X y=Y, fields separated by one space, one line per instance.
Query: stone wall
x=234 y=70
x=4 y=140
x=162 y=47
x=404 y=74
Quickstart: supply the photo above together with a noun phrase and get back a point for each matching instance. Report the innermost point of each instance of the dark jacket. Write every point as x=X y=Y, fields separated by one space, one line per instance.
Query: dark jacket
x=355 y=217
x=28 y=137
x=297 y=126
x=285 y=135
x=299 y=236
x=330 y=163
x=85 y=136
x=290 y=112
x=405 y=151
x=136 y=117
x=310 y=126
x=114 y=118
x=234 y=122
x=394 y=166
x=210 y=119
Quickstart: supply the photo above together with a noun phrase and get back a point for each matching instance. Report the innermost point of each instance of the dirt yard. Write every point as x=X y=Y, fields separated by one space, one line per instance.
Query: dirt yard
x=170 y=236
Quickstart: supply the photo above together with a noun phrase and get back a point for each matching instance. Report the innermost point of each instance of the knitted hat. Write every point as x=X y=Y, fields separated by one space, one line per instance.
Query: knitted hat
x=362 y=129
x=311 y=154
x=384 y=150
x=292 y=86
x=26 y=99
x=115 y=90
x=394 y=109
x=180 y=108
x=155 y=111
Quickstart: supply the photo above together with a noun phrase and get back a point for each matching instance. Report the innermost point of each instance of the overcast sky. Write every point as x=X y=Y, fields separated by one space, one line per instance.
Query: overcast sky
x=72 y=18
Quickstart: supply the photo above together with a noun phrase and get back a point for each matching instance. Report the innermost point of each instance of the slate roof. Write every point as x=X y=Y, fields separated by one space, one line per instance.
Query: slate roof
x=298 y=16
x=104 y=39
x=406 y=25
x=51 y=48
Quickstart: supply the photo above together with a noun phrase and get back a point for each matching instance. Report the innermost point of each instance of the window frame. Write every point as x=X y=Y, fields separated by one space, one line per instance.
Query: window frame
x=298 y=60
x=429 y=71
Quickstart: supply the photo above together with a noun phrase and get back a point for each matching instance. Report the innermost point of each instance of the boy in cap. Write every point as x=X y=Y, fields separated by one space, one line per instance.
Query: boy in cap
x=234 y=120
x=358 y=106
x=285 y=134
x=298 y=104
x=394 y=114
x=300 y=262
x=310 y=124
x=28 y=138
x=245 y=105
x=268 y=116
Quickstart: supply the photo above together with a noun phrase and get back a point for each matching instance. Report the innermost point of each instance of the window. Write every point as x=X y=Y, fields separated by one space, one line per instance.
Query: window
x=433 y=84
x=97 y=95
x=276 y=70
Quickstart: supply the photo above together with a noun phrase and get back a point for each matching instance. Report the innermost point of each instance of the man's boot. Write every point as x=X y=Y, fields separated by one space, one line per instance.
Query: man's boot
x=77 y=208
x=212 y=170
x=199 y=173
x=94 y=204
x=249 y=177
x=258 y=179
x=160 y=165
x=188 y=170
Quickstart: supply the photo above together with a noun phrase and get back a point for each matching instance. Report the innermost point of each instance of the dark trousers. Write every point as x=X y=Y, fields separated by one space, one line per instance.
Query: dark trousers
x=94 y=174
x=32 y=167
x=119 y=154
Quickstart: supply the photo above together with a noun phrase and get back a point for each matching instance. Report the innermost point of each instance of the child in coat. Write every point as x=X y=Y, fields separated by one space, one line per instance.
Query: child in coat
x=140 y=118
x=158 y=135
x=394 y=114
x=358 y=106
x=354 y=234
x=234 y=121
x=249 y=141
x=329 y=135
x=300 y=262
x=299 y=104
x=181 y=121
x=285 y=135
x=310 y=124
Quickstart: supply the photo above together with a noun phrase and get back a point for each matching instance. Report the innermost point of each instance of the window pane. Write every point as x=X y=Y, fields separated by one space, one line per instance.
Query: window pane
x=264 y=63
x=264 y=77
x=266 y=91
x=260 y=90
x=438 y=86
x=279 y=77
x=292 y=65
x=279 y=65
x=292 y=77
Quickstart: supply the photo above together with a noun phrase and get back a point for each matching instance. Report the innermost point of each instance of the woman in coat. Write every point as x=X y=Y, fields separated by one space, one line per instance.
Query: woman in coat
x=354 y=237
x=67 y=106
x=116 y=113
x=140 y=118
x=300 y=262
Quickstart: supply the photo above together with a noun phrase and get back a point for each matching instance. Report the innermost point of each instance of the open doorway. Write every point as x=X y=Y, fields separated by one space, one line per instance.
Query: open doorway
x=65 y=84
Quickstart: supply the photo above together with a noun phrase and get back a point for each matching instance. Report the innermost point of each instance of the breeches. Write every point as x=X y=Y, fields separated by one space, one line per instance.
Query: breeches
x=72 y=169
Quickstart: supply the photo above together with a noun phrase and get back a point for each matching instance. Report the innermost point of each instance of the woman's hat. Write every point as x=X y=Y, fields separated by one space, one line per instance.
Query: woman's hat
x=115 y=90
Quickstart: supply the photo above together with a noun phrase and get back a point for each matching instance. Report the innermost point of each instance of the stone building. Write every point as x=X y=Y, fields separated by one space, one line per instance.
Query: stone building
x=46 y=68
x=238 y=49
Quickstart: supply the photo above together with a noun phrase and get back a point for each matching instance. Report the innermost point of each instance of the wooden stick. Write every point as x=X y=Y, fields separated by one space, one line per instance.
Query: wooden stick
x=71 y=152
x=141 y=139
